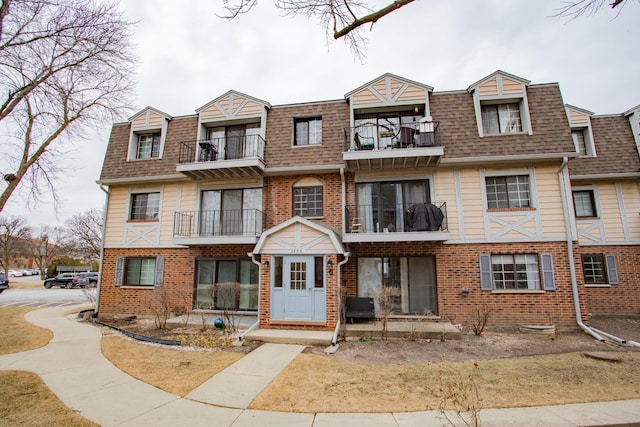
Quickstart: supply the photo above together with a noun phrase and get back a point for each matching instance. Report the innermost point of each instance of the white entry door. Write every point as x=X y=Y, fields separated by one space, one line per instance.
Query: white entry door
x=298 y=284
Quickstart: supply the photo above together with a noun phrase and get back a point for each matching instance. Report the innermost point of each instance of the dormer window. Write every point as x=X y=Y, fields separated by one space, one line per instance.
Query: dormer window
x=579 y=141
x=148 y=146
x=501 y=118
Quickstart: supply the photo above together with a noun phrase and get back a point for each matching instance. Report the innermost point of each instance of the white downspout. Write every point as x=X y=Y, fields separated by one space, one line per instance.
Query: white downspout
x=104 y=232
x=334 y=340
x=572 y=268
x=255 y=325
x=344 y=202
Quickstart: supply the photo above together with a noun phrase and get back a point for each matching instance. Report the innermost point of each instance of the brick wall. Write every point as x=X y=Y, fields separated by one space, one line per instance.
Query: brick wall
x=178 y=282
x=620 y=299
x=457 y=266
x=278 y=199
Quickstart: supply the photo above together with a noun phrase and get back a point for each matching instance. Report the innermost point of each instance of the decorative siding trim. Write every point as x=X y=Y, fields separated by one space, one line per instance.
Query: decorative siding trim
x=586 y=232
x=459 y=203
x=623 y=214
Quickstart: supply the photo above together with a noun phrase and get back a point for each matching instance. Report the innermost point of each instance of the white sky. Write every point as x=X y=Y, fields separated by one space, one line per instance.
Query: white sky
x=188 y=57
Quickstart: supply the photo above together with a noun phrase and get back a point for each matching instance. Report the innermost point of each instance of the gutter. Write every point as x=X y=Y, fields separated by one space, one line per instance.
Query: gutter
x=572 y=267
x=257 y=322
x=334 y=340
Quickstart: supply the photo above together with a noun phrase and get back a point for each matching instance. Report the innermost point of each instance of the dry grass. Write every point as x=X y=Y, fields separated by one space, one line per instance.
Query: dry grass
x=35 y=284
x=315 y=383
x=173 y=370
x=18 y=334
x=26 y=401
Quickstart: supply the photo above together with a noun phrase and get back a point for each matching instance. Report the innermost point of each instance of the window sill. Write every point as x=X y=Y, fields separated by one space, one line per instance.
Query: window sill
x=143 y=220
x=137 y=286
x=307 y=145
x=510 y=209
x=597 y=285
x=517 y=291
x=587 y=218
x=145 y=159
x=524 y=132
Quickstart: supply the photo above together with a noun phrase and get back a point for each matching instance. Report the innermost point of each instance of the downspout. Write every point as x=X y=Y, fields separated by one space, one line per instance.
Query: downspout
x=255 y=325
x=104 y=232
x=344 y=201
x=334 y=340
x=572 y=268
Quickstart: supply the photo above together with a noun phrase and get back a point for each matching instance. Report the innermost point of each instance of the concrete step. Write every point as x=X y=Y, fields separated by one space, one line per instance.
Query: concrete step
x=414 y=330
x=290 y=336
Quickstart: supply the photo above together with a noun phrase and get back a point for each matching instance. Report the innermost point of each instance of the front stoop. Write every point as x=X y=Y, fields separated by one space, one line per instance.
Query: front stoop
x=291 y=336
x=411 y=330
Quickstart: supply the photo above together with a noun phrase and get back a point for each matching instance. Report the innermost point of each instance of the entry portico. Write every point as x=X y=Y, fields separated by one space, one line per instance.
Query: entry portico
x=299 y=274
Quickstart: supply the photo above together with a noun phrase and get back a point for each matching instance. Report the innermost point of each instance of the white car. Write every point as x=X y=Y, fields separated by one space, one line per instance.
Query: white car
x=14 y=273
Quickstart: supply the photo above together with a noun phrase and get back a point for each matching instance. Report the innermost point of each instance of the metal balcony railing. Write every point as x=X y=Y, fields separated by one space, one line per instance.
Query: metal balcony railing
x=231 y=148
x=381 y=137
x=239 y=222
x=397 y=218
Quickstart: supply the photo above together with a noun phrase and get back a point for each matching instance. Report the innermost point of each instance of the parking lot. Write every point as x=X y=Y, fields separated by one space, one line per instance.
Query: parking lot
x=30 y=292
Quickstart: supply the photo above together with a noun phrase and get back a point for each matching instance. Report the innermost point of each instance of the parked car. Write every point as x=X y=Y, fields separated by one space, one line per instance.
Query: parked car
x=26 y=272
x=61 y=280
x=4 y=282
x=14 y=273
x=91 y=276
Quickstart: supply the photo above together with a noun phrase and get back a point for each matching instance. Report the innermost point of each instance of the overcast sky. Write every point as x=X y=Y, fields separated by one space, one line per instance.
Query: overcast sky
x=188 y=57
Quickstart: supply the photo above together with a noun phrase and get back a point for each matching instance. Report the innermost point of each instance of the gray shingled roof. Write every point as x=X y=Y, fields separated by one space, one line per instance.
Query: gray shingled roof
x=615 y=149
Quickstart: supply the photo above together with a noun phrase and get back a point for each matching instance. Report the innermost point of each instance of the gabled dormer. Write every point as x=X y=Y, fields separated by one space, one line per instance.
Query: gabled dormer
x=148 y=134
x=634 y=120
x=391 y=112
x=230 y=139
x=501 y=105
x=581 y=132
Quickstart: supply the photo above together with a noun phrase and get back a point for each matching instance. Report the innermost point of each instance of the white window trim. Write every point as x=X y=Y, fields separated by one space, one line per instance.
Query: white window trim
x=588 y=139
x=521 y=99
x=533 y=195
x=596 y=201
x=133 y=191
x=132 y=154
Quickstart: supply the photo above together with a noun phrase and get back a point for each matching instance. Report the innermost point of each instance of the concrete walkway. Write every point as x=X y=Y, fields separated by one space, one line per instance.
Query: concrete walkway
x=73 y=367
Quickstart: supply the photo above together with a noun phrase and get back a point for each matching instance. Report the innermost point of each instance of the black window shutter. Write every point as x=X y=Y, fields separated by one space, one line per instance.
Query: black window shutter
x=485 y=272
x=548 y=279
x=119 y=271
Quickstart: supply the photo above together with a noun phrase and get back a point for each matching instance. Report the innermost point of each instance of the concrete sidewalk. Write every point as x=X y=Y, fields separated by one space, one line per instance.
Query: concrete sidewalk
x=73 y=367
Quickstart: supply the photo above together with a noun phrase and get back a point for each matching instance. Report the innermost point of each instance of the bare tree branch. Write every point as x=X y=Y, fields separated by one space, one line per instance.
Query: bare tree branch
x=85 y=232
x=575 y=9
x=64 y=65
x=15 y=234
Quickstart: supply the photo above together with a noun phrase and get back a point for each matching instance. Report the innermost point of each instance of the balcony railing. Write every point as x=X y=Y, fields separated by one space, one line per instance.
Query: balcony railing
x=231 y=148
x=422 y=217
x=239 y=222
x=374 y=137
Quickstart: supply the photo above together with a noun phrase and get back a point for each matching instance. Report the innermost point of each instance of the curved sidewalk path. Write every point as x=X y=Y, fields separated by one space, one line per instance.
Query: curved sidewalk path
x=73 y=367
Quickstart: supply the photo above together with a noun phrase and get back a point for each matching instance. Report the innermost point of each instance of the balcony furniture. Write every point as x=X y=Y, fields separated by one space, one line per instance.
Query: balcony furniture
x=360 y=308
x=363 y=143
x=356 y=227
x=208 y=152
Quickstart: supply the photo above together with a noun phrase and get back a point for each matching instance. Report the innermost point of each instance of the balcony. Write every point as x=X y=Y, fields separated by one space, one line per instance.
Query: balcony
x=399 y=223
x=222 y=157
x=409 y=145
x=218 y=227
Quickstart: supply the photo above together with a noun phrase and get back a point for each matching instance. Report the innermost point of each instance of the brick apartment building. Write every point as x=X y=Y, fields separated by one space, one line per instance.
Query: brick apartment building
x=497 y=196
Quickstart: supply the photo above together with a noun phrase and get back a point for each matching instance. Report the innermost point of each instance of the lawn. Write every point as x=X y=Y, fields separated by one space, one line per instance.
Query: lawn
x=19 y=335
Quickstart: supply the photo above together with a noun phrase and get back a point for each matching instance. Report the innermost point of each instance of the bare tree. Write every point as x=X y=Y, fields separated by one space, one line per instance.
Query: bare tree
x=64 y=65
x=338 y=18
x=575 y=9
x=15 y=234
x=49 y=244
x=85 y=233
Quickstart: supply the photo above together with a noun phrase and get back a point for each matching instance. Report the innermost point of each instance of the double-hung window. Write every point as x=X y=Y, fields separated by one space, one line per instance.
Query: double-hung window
x=140 y=271
x=308 y=131
x=308 y=201
x=517 y=272
x=145 y=206
x=584 y=203
x=148 y=146
x=508 y=192
x=501 y=118
x=600 y=269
